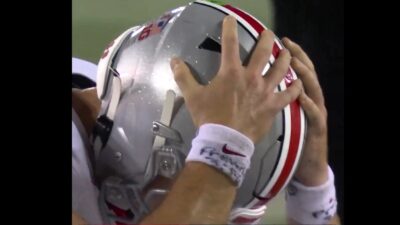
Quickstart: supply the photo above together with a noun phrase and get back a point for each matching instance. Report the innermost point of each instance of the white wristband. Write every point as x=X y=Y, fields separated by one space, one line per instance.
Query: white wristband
x=312 y=205
x=224 y=149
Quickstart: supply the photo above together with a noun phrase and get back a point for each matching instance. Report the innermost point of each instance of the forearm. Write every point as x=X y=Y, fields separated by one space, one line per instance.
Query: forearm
x=77 y=220
x=313 y=168
x=201 y=195
x=205 y=189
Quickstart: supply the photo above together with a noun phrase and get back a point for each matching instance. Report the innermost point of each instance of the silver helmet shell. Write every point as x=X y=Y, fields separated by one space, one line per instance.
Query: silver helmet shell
x=144 y=129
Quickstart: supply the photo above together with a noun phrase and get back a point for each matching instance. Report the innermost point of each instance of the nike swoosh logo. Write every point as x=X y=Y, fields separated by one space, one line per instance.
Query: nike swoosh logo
x=230 y=152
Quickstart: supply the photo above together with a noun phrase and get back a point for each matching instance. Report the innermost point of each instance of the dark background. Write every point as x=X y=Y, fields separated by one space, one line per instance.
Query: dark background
x=318 y=26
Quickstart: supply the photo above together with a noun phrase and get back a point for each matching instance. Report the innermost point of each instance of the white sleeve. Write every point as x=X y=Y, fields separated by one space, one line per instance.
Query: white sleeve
x=84 y=192
x=85 y=68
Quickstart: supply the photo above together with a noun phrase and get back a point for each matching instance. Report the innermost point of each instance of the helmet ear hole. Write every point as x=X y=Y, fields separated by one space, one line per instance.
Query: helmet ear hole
x=211 y=45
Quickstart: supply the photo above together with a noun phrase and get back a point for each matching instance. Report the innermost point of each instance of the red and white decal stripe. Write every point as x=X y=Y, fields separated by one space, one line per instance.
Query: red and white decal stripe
x=294 y=115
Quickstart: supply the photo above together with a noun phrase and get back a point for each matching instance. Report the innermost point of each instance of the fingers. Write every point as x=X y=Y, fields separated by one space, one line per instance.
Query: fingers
x=183 y=77
x=262 y=52
x=287 y=96
x=310 y=81
x=278 y=70
x=298 y=52
x=310 y=108
x=230 y=43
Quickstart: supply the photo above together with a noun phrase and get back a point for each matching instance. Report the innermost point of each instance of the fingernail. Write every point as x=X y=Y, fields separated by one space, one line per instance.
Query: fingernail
x=230 y=18
x=174 y=62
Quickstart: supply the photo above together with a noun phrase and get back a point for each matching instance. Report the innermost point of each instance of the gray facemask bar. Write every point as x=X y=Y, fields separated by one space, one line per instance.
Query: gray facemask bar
x=124 y=196
x=166 y=161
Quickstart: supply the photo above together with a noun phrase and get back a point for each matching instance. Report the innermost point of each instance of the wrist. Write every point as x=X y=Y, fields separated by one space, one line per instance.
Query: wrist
x=312 y=175
x=231 y=125
x=317 y=131
x=312 y=205
x=223 y=148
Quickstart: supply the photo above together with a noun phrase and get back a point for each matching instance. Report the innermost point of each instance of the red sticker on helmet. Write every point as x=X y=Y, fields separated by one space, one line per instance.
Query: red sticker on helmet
x=155 y=27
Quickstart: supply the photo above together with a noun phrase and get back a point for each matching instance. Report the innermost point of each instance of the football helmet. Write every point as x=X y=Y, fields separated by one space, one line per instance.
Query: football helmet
x=144 y=129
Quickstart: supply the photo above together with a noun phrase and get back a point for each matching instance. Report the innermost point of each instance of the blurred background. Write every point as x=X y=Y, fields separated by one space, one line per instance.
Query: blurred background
x=316 y=25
